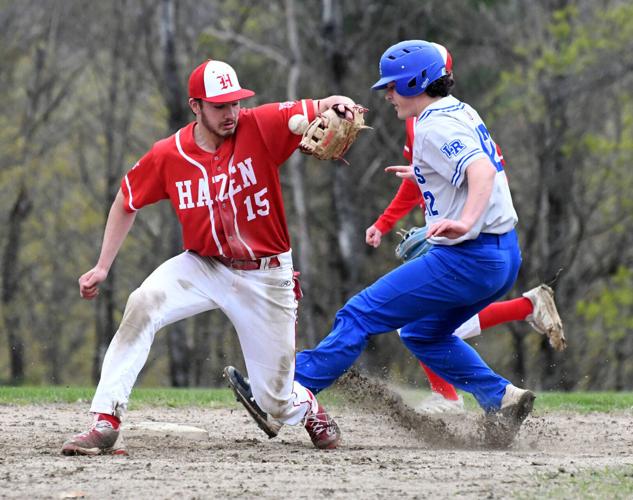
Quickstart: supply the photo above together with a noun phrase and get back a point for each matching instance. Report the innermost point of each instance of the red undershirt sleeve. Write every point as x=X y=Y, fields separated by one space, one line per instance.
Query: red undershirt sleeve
x=407 y=197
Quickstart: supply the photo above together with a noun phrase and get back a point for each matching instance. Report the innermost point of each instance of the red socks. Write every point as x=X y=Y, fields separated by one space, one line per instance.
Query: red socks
x=440 y=385
x=110 y=418
x=507 y=310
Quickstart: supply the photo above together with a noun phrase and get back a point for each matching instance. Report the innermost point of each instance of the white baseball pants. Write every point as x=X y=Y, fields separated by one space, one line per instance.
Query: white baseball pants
x=261 y=305
x=469 y=328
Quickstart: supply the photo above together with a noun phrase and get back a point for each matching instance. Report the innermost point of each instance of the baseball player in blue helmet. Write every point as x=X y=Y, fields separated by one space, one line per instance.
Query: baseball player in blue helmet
x=475 y=256
x=411 y=66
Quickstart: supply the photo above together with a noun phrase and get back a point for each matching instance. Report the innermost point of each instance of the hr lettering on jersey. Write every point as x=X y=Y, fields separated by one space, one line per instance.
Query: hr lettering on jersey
x=453 y=148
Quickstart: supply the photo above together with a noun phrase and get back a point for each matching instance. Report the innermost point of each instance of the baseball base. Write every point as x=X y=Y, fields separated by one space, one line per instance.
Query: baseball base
x=168 y=429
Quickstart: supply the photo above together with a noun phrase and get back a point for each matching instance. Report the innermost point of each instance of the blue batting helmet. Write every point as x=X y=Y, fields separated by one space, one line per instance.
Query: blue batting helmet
x=412 y=65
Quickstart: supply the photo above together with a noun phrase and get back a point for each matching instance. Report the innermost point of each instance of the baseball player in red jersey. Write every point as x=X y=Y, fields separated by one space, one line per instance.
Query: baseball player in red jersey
x=221 y=175
x=537 y=305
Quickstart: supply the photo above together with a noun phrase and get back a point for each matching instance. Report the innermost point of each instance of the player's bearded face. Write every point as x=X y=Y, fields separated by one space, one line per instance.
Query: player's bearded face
x=220 y=119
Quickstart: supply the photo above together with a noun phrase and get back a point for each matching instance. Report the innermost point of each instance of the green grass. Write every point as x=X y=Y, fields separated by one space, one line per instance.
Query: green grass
x=168 y=397
x=611 y=482
x=583 y=402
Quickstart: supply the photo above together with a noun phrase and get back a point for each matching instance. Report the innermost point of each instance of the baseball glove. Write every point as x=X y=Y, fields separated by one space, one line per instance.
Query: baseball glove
x=413 y=244
x=330 y=135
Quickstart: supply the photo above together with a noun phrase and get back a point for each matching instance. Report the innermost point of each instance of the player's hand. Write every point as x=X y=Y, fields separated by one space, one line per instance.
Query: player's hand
x=373 y=236
x=341 y=104
x=89 y=282
x=402 y=171
x=448 y=228
x=345 y=109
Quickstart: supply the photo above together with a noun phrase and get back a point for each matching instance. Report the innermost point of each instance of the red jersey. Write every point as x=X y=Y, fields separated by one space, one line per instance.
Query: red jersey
x=408 y=195
x=228 y=202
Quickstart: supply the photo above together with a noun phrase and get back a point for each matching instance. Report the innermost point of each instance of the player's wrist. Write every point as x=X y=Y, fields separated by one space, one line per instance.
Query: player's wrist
x=383 y=228
x=102 y=268
x=467 y=225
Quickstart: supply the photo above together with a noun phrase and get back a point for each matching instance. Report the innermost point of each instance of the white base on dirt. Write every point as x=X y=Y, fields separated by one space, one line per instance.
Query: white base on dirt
x=168 y=429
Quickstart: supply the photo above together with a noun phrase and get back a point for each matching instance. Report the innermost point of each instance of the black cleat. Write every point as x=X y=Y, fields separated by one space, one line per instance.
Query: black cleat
x=242 y=390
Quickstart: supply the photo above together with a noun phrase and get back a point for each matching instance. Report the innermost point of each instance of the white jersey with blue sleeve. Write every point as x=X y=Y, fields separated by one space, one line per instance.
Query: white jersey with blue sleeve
x=449 y=136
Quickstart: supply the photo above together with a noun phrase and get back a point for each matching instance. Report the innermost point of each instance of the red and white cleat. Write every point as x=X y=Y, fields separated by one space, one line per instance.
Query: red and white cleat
x=322 y=429
x=101 y=439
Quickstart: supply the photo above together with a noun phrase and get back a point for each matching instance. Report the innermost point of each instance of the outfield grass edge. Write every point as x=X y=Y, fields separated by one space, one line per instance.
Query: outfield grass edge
x=583 y=402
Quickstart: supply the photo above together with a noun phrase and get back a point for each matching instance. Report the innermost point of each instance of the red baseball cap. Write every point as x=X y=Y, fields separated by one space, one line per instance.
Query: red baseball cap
x=216 y=81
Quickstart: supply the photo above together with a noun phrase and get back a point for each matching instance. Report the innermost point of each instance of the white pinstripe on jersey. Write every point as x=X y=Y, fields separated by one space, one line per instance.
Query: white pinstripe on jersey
x=206 y=179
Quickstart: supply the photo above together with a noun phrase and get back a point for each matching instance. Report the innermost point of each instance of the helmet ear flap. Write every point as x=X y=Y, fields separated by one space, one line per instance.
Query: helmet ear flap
x=417 y=80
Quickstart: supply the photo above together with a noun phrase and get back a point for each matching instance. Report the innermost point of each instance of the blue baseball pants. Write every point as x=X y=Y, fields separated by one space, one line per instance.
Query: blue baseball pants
x=427 y=298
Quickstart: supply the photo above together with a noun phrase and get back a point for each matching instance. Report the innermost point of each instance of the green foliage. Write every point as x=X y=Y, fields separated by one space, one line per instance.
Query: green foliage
x=553 y=85
x=612 y=308
x=609 y=325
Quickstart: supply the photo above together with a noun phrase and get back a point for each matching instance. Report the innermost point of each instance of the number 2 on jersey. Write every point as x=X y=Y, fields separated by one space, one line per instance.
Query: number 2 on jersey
x=489 y=147
x=429 y=202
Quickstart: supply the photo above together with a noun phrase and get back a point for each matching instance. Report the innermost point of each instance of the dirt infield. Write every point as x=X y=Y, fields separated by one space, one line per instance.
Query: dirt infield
x=380 y=457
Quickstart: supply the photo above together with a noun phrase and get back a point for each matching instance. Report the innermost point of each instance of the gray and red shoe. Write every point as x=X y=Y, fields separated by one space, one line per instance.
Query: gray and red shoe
x=101 y=439
x=545 y=318
x=322 y=429
x=502 y=426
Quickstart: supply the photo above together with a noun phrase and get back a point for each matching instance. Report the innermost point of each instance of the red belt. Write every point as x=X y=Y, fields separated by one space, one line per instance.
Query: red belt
x=250 y=265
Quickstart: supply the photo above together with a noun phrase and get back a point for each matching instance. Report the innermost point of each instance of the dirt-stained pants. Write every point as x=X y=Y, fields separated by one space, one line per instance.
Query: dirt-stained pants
x=260 y=303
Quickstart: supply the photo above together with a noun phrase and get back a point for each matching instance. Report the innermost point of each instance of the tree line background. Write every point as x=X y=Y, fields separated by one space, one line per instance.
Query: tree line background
x=87 y=87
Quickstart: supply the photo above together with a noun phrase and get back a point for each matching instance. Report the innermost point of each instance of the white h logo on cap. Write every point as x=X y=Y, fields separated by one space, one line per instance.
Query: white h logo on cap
x=219 y=79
